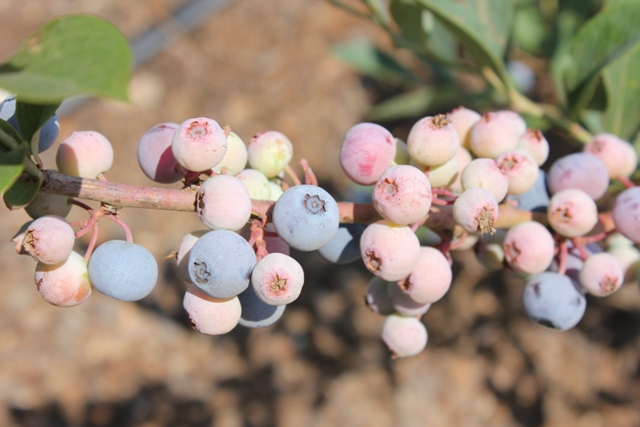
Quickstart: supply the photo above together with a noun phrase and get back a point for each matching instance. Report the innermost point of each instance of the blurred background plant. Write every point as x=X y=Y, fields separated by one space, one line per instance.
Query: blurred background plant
x=569 y=65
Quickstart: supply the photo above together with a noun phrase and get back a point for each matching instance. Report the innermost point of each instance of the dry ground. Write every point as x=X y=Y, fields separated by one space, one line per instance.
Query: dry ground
x=258 y=65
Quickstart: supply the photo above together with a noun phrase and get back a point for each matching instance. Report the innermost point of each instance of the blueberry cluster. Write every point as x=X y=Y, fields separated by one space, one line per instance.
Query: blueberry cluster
x=238 y=267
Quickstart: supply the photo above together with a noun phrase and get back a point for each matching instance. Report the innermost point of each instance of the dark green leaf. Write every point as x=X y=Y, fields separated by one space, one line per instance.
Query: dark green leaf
x=408 y=104
x=622 y=82
x=529 y=29
x=592 y=120
x=413 y=104
x=420 y=27
x=11 y=166
x=566 y=25
x=75 y=54
x=482 y=26
x=602 y=40
x=31 y=117
x=9 y=137
x=21 y=193
x=366 y=59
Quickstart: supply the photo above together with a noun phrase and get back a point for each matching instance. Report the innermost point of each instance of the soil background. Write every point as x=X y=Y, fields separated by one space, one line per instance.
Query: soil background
x=257 y=65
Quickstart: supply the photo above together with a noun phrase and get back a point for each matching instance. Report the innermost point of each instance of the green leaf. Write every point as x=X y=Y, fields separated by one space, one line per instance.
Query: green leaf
x=31 y=117
x=9 y=137
x=21 y=193
x=592 y=120
x=71 y=55
x=420 y=27
x=408 y=104
x=366 y=59
x=11 y=166
x=622 y=82
x=600 y=41
x=413 y=104
x=482 y=26
x=566 y=24
x=529 y=29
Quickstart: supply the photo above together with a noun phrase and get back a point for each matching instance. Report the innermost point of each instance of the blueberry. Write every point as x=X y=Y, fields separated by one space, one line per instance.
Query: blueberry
x=553 y=300
x=345 y=245
x=122 y=270
x=220 y=263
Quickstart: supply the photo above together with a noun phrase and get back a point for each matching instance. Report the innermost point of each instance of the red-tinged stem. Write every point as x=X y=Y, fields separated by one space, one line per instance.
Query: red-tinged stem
x=121 y=223
x=626 y=182
x=184 y=199
x=444 y=192
x=460 y=241
x=436 y=201
x=562 y=257
x=579 y=245
x=292 y=175
x=309 y=177
x=92 y=243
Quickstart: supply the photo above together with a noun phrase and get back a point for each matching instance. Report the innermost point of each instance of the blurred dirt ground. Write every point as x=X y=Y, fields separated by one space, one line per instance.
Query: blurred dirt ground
x=258 y=65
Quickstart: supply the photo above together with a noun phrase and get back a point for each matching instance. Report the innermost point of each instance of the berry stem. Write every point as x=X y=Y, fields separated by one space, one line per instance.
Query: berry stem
x=626 y=182
x=92 y=243
x=292 y=175
x=562 y=257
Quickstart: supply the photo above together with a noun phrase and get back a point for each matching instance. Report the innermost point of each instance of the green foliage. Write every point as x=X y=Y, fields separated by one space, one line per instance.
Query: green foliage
x=591 y=48
x=75 y=54
x=67 y=56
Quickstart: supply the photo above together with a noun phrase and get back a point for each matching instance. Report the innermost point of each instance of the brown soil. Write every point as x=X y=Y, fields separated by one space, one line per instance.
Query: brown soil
x=258 y=65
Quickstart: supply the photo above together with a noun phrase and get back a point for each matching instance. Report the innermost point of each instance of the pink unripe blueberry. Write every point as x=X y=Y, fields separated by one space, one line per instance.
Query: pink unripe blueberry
x=520 y=168
x=629 y=259
x=529 y=247
x=618 y=156
x=534 y=143
x=388 y=250
x=66 y=284
x=476 y=209
x=86 y=154
x=601 y=274
x=402 y=195
x=464 y=158
x=367 y=151
x=572 y=213
x=49 y=240
x=583 y=171
x=485 y=173
x=277 y=279
x=430 y=279
x=199 y=144
x=209 y=315
x=516 y=120
x=223 y=203
x=235 y=158
x=404 y=304
x=625 y=212
x=495 y=133
x=433 y=141
x=155 y=156
x=270 y=152
x=462 y=119
x=405 y=336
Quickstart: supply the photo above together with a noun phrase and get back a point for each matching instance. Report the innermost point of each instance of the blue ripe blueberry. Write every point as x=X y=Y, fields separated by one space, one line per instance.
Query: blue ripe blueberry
x=220 y=263
x=306 y=217
x=48 y=132
x=255 y=313
x=345 y=245
x=553 y=300
x=122 y=270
